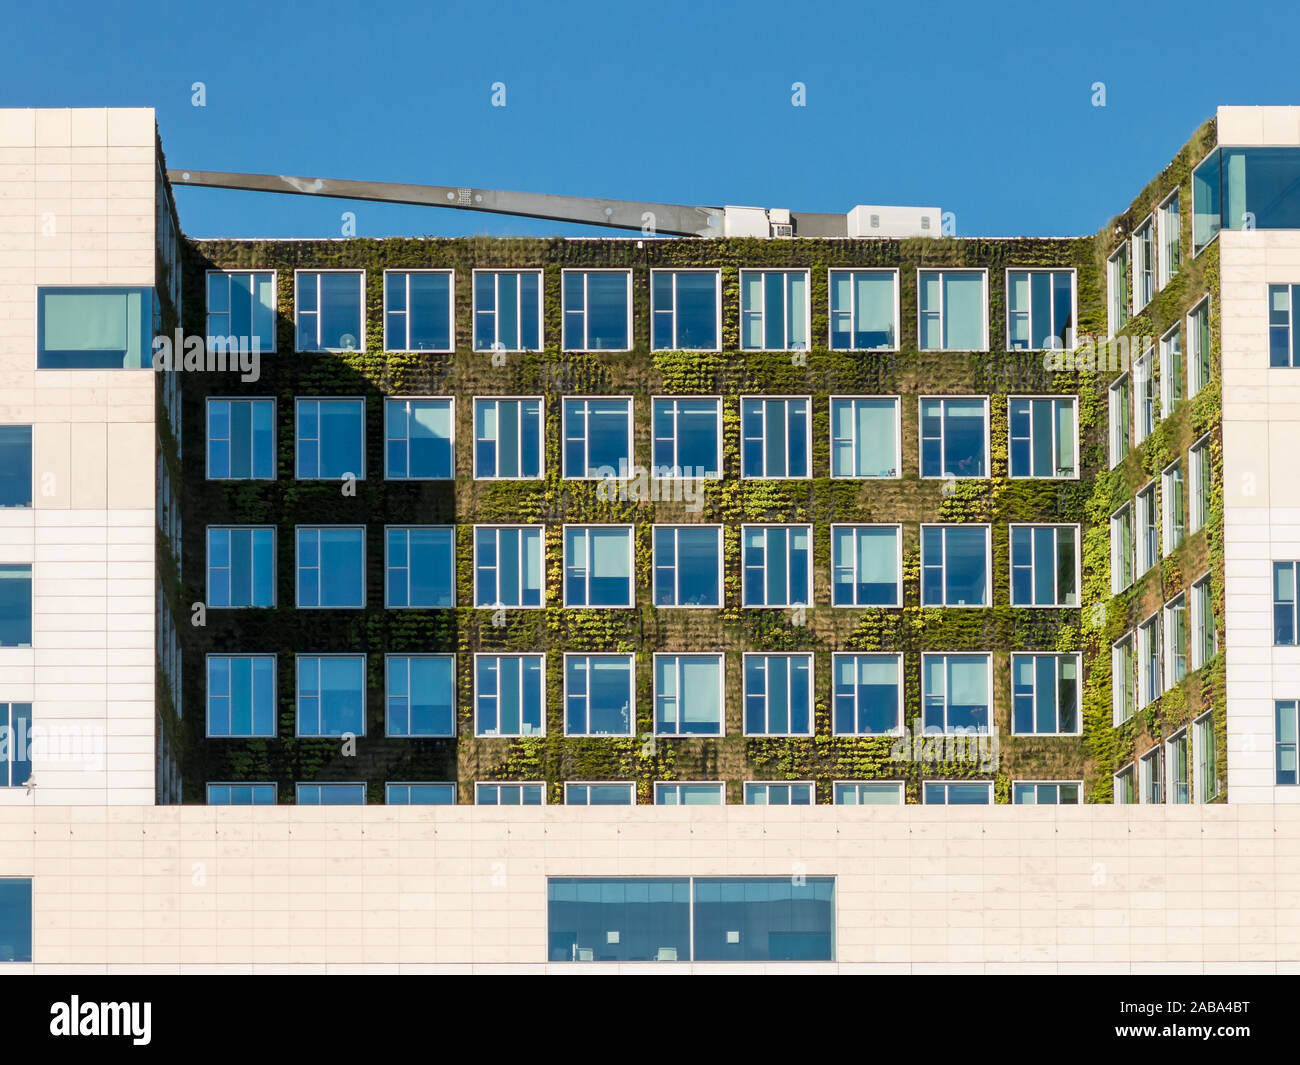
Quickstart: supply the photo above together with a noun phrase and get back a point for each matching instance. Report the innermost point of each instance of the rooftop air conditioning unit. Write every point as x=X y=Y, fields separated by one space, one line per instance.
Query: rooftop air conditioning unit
x=783 y=230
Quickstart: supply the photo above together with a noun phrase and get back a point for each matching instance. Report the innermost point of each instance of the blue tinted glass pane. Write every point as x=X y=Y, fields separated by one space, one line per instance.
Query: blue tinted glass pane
x=966 y=566
x=421 y=795
x=94 y=328
x=697 y=311
x=432 y=700
x=340 y=313
x=342 y=438
x=15 y=465
x=764 y=919
x=606 y=919
x=15 y=919
x=342 y=696
x=607 y=311
x=697 y=567
x=429 y=311
x=342 y=576
x=697 y=437
x=15 y=606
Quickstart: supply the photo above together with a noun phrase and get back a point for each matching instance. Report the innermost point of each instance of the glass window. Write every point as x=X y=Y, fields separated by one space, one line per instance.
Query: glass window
x=671 y=794
x=331 y=695
x=1284 y=603
x=241 y=308
x=1040 y=309
x=419 y=439
x=421 y=697
x=509 y=795
x=866 y=567
x=598 y=565
x=1207 y=758
x=764 y=918
x=598 y=695
x=775 y=437
x=1144 y=397
x=1033 y=793
x=15 y=744
x=1043 y=437
x=957 y=692
x=1283 y=336
x=1287 y=732
x=597 y=310
x=1180 y=770
x=863 y=310
x=764 y=794
x=685 y=310
x=687 y=437
x=507 y=310
x=868 y=694
x=1117 y=289
x=331 y=794
x=1205 y=637
x=777 y=565
x=420 y=566
x=618 y=919
x=15 y=919
x=15 y=605
x=1144 y=265
x=508 y=439
x=598 y=438
x=420 y=794
x=1172 y=371
x=1198 y=468
x=1045 y=695
x=864 y=437
x=688 y=695
x=241 y=695
x=241 y=794
x=954 y=565
x=1176 y=640
x=774 y=310
x=508 y=565
x=1044 y=565
x=241 y=439
x=688 y=565
x=1121 y=433
x=1121 y=549
x=613 y=794
x=94 y=328
x=942 y=793
x=1151 y=676
x=1174 y=503
x=1148 y=542
x=331 y=439
x=1198 y=347
x=1152 y=775
x=1245 y=188
x=418 y=310
x=952 y=310
x=867 y=793
x=954 y=437
x=1125 y=787
x=241 y=566
x=331 y=566
x=1124 y=679
x=329 y=306
x=509 y=695
x=1170 y=231
x=778 y=694
x=15 y=466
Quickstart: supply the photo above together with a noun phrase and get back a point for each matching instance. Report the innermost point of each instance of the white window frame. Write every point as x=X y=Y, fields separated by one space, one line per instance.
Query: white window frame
x=943 y=310
x=1119 y=692
x=1144 y=393
x=1116 y=298
x=541 y=436
x=920 y=439
x=297 y=309
x=1130 y=771
x=275 y=306
x=497 y=528
x=630 y=785
x=745 y=694
x=1184 y=736
x=297 y=791
x=1150 y=688
x=988 y=563
x=900 y=709
x=365 y=695
x=1117 y=582
x=853 y=311
x=754 y=786
x=963 y=781
x=1199 y=727
x=1194 y=382
x=631 y=563
x=275 y=435
x=677 y=590
x=207 y=566
x=1167 y=401
x=390 y=784
x=785 y=310
x=1163 y=273
x=720 y=785
x=674 y=472
x=1146 y=512
x=1167 y=612
x=898 y=436
x=496 y=322
x=586 y=307
x=898 y=543
x=1059 y=656
x=721 y=660
x=297 y=567
x=808 y=420
x=1074 y=303
x=1056 y=544
x=586 y=402
x=455 y=696
x=210 y=784
x=992 y=727
x=498 y=734
x=898 y=784
x=298 y=401
x=388 y=476
x=1167 y=544
x=1116 y=403
x=451 y=309
x=717 y=298
x=208 y=734
x=1153 y=756
x=520 y=784
x=1148 y=225
x=628 y=658
x=1199 y=623
x=1056 y=452
x=1015 y=783
x=812 y=556
x=1198 y=513
x=454 y=570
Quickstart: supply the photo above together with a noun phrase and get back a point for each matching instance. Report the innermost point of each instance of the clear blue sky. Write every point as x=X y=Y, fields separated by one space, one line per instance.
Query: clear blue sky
x=982 y=109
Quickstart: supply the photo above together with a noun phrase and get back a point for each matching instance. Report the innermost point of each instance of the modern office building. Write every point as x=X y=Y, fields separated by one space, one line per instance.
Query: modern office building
x=822 y=511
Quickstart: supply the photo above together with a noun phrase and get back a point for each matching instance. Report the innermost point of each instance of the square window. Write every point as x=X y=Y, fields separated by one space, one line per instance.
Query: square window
x=508 y=566
x=15 y=466
x=419 y=309
x=687 y=437
x=867 y=793
x=421 y=696
x=776 y=437
x=778 y=694
x=241 y=566
x=619 y=793
x=774 y=310
x=1044 y=565
x=864 y=436
x=760 y=793
x=955 y=565
x=868 y=694
x=509 y=695
x=866 y=565
x=353 y=794
x=685 y=310
x=863 y=310
x=241 y=310
x=15 y=605
x=688 y=565
x=689 y=695
x=1151 y=774
x=598 y=438
x=509 y=795
x=420 y=566
x=777 y=565
x=1043 y=436
x=597 y=310
x=598 y=695
x=952 y=310
x=508 y=439
x=507 y=310
x=668 y=793
x=331 y=695
x=1040 y=310
x=1045 y=695
x=954 y=437
x=331 y=566
x=241 y=695
x=95 y=328
x=957 y=692
x=420 y=794
x=329 y=310
x=241 y=439
x=330 y=439
x=419 y=439
x=598 y=566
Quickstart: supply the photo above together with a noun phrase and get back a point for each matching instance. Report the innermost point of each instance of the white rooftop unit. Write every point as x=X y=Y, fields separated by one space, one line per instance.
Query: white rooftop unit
x=867 y=220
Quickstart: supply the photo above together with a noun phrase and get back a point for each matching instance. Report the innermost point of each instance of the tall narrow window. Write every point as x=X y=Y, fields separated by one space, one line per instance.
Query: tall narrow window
x=1283 y=336
x=1148 y=540
x=1151 y=674
x=1170 y=232
x=1205 y=638
x=421 y=696
x=863 y=310
x=331 y=439
x=685 y=309
x=776 y=437
x=1173 y=373
x=761 y=793
x=241 y=309
x=1180 y=769
x=15 y=605
x=1043 y=436
x=868 y=694
x=508 y=566
x=1121 y=549
x=1144 y=265
x=1198 y=347
x=1123 y=680
x=1045 y=695
x=688 y=565
x=1044 y=565
x=1121 y=434
x=952 y=310
x=688 y=695
x=956 y=692
x=15 y=466
x=1198 y=469
x=1174 y=505
x=598 y=438
x=1175 y=640
x=509 y=695
x=241 y=566
x=1144 y=397
x=1284 y=603
x=865 y=565
x=241 y=439
x=1125 y=787
x=15 y=744
x=867 y=793
x=1151 y=771
x=241 y=695
x=864 y=437
x=774 y=312
x=598 y=565
x=419 y=310
x=419 y=439
x=420 y=566
x=597 y=310
x=1287 y=733
x=954 y=437
x=507 y=310
x=508 y=439
x=687 y=437
x=778 y=694
x=777 y=562
x=330 y=306
x=1207 y=758
x=955 y=565
x=1040 y=309
x=944 y=793
x=350 y=794
x=1117 y=294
